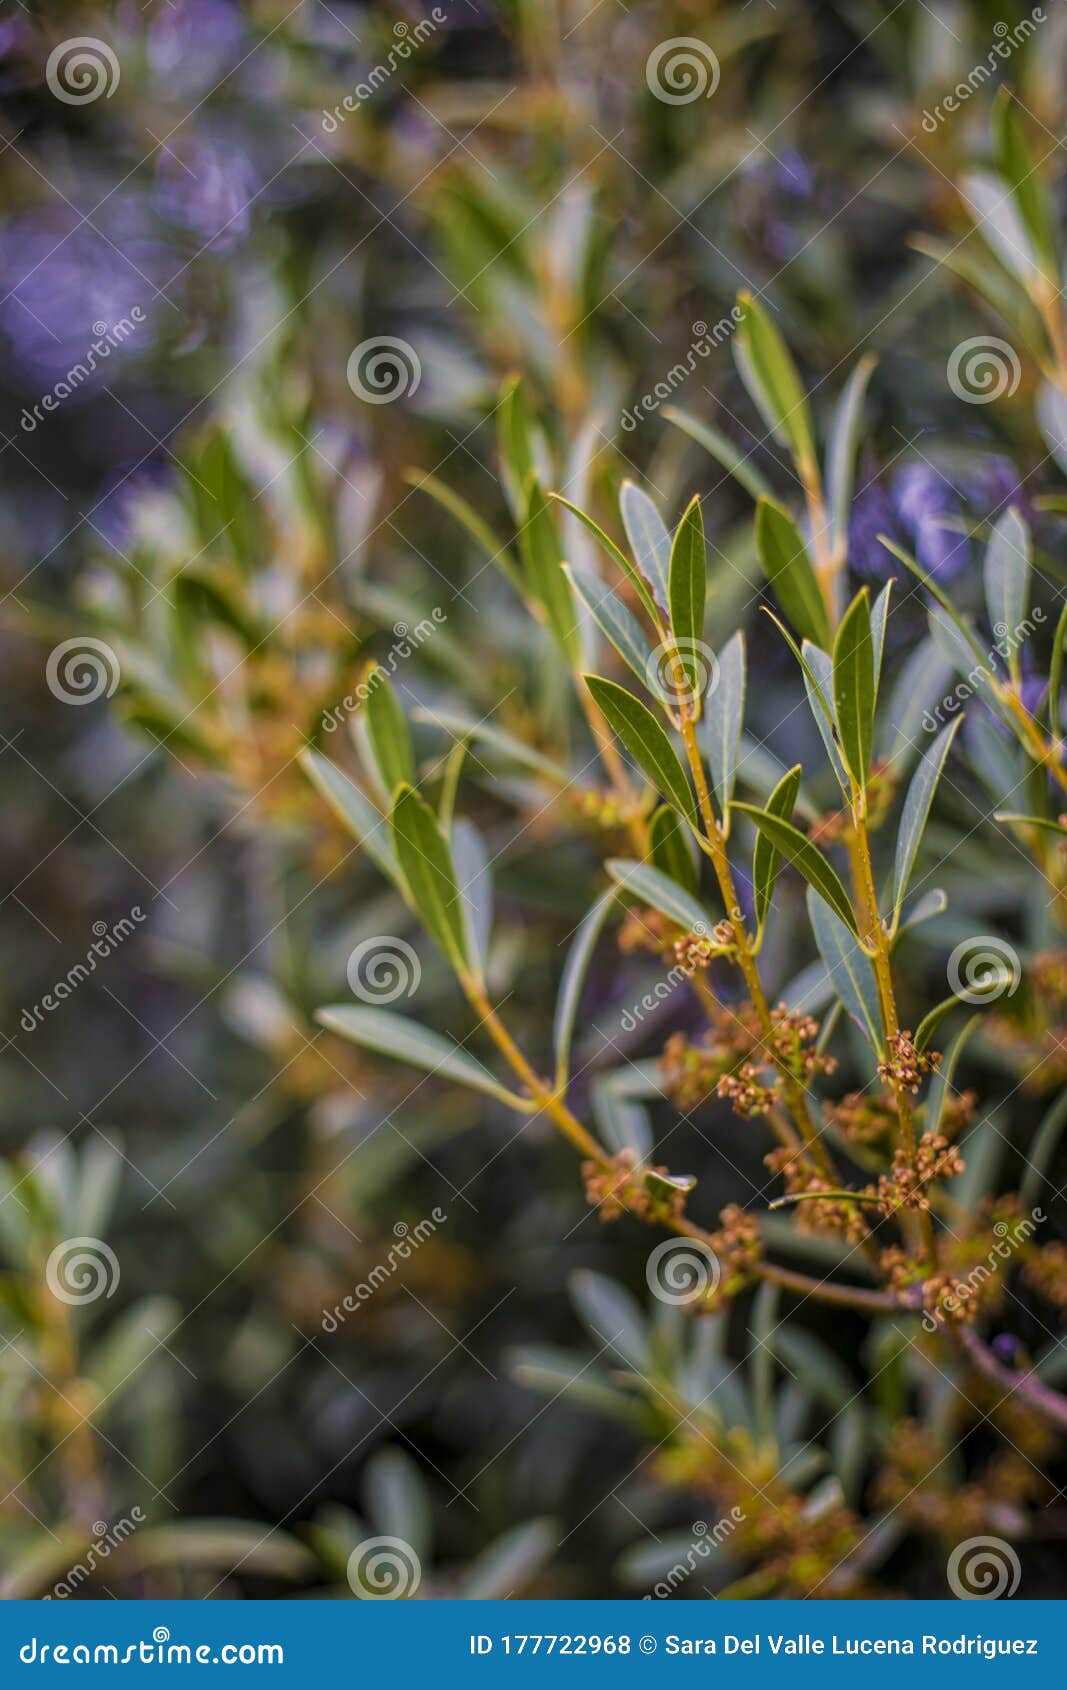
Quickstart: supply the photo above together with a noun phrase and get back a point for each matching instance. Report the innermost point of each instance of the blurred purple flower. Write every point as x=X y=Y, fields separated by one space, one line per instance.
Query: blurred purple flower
x=923 y=498
x=208 y=186
x=192 y=44
x=873 y=513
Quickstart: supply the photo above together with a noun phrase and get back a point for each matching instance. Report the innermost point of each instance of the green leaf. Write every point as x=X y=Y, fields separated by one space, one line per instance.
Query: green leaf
x=616 y=554
x=849 y=968
x=805 y=857
x=996 y=215
x=429 y=873
x=612 y=1316
x=484 y=733
x=819 y=687
x=1007 y=582
x=407 y=1041
x=722 y=450
x=475 y=882
x=974 y=265
x=879 y=619
x=842 y=445
x=646 y=741
x=613 y=619
x=785 y=562
x=509 y=1562
x=1019 y=169
x=390 y=738
x=1052 y=416
x=355 y=810
x=770 y=375
x=1055 y=673
x=766 y=859
x=1040 y=1151
x=1030 y=821
x=649 y=540
x=661 y=893
x=952 y=614
x=516 y=439
x=484 y=537
x=670 y=848
x=724 y=711
x=916 y=810
x=575 y=969
x=932 y=1020
x=687 y=590
x=623 y=1123
x=543 y=569
x=854 y=687
x=921 y=682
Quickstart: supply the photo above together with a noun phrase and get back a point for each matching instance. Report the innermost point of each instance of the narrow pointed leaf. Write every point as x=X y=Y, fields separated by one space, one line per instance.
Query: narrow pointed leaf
x=849 y=968
x=426 y=864
x=671 y=849
x=649 y=540
x=916 y=811
x=724 y=711
x=1007 y=582
x=575 y=969
x=407 y=1041
x=854 y=687
x=722 y=449
x=768 y=371
x=932 y=1020
x=1019 y=169
x=995 y=210
x=543 y=572
x=807 y=858
x=475 y=882
x=617 y=556
x=687 y=589
x=819 y=686
x=786 y=564
x=766 y=859
x=1055 y=673
x=613 y=619
x=390 y=737
x=842 y=447
x=489 y=542
x=661 y=894
x=355 y=810
x=1041 y=1150
x=879 y=618
x=646 y=741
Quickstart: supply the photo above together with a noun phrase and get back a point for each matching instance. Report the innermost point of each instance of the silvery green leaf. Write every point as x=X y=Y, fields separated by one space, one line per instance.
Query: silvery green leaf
x=357 y=812
x=923 y=908
x=767 y=369
x=612 y=1316
x=849 y=968
x=396 y=1499
x=1007 y=581
x=661 y=894
x=819 y=687
x=1052 y=417
x=724 y=710
x=842 y=446
x=403 y=1040
x=510 y=1562
x=879 y=618
x=996 y=215
x=475 y=881
x=853 y=683
x=787 y=566
x=672 y=848
x=1041 y=1150
x=798 y=849
x=919 y=688
x=916 y=810
x=572 y=980
x=624 y=1123
x=722 y=450
x=649 y=540
x=613 y=619
x=646 y=741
